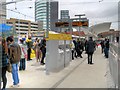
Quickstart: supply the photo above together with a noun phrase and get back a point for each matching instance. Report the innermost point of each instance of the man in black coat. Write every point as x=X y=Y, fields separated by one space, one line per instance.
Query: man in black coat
x=102 y=46
x=43 y=50
x=90 y=47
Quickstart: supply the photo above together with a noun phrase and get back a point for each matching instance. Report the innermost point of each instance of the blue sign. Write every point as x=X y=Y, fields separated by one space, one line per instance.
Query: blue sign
x=5 y=28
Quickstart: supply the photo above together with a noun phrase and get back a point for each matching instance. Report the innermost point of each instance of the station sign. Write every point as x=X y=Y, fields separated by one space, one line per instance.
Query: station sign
x=74 y=24
x=59 y=37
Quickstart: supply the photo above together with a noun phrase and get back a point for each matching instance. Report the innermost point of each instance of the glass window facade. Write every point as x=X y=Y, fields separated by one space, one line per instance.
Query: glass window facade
x=41 y=11
x=47 y=12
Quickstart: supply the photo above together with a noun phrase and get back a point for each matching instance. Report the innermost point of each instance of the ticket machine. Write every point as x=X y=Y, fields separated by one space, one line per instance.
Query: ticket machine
x=58 y=51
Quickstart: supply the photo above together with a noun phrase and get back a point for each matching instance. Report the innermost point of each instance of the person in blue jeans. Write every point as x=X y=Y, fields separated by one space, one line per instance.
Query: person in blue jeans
x=15 y=75
x=14 y=52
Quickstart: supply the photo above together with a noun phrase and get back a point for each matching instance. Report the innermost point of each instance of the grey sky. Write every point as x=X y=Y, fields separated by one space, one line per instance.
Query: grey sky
x=96 y=11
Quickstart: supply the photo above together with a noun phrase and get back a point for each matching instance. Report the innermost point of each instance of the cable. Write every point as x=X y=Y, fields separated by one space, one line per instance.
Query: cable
x=3 y=9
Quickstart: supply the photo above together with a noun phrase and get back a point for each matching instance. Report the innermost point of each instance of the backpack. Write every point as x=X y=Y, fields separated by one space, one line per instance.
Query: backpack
x=15 y=53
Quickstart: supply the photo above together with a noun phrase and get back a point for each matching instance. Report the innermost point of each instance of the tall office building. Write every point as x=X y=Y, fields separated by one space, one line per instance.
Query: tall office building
x=64 y=14
x=47 y=12
x=2 y=11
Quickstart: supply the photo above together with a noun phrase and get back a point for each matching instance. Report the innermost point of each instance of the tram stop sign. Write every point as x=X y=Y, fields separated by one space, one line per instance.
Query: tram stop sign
x=74 y=24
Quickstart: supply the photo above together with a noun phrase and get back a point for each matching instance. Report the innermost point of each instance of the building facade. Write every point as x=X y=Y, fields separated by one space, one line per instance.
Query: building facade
x=2 y=11
x=24 y=27
x=64 y=14
x=47 y=12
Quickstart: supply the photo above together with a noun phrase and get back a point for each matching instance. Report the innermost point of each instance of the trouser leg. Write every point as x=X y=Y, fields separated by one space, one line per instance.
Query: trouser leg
x=15 y=74
x=43 y=56
x=29 y=51
x=23 y=64
x=4 y=78
x=88 y=58
x=20 y=67
x=72 y=54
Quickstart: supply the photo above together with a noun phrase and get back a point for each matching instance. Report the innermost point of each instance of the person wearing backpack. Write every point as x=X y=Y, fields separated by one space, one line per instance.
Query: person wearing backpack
x=14 y=52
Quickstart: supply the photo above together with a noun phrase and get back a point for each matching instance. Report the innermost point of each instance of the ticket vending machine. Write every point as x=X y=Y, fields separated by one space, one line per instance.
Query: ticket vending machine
x=57 y=51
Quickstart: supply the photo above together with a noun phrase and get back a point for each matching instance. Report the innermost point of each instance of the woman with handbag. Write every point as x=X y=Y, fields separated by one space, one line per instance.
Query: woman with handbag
x=4 y=63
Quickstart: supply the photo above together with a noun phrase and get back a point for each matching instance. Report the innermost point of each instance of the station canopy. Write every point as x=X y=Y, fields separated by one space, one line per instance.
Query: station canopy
x=105 y=34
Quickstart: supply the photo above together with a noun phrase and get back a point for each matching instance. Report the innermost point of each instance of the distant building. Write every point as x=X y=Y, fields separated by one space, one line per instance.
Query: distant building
x=64 y=14
x=47 y=12
x=24 y=27
x=2 y=11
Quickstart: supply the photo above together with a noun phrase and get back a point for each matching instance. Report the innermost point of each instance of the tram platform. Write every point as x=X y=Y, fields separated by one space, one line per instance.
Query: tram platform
x=78 y=74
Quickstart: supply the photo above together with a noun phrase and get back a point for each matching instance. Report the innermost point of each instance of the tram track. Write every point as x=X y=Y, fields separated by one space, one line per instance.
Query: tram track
x=62 y=79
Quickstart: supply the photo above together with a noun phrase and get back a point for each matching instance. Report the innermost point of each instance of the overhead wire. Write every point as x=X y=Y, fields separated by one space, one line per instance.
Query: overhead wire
x=18 y=12
x=4 y=9
x=71 y=3
x=61 y=4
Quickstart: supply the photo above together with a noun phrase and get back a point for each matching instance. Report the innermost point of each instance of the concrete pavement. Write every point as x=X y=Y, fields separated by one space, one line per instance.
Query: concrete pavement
x=78 y=74
x=88 y=76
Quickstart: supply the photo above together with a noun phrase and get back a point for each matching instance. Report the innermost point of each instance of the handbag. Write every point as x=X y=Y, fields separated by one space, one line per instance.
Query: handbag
x=9 y=67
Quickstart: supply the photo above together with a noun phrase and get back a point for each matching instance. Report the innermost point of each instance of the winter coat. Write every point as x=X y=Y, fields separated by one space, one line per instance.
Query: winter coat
x=14 y=53
x=90 y=46
x=4 y=58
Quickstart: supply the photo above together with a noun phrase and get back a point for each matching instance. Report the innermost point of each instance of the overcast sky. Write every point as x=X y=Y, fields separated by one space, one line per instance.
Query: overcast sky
x=95 y=11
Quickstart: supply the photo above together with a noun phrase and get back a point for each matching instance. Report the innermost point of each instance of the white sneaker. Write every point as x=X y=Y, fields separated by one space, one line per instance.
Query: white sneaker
x=15 y=86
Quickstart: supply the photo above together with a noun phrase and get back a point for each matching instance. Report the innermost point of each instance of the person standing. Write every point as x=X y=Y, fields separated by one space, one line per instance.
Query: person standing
x=38 y=51
x=102 y=45
x=90 y=47
x=23 y=56
x=43 y=50
x=72 y=50
x=14 y=52
x=34 y=45
x=106 y=49
x=75 y=51
x=29 y=46
x=79 y=49
x=85 y=46
x=4 y=63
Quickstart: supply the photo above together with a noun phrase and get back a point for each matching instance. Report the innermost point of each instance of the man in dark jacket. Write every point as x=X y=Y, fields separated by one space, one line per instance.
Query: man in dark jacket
x=90 y=49
x=102 y=46
x=43 y=50
x=14 y=52
x=79 y=49
x=106 y=48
